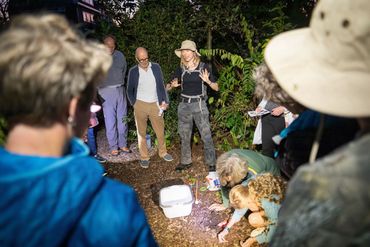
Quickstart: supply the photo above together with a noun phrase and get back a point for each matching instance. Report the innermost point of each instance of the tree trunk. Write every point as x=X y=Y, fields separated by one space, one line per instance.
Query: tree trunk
x=209 y=46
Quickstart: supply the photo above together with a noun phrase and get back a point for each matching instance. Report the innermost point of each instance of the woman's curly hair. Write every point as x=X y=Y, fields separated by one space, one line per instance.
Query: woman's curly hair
x=268 y=186
x=264 y=185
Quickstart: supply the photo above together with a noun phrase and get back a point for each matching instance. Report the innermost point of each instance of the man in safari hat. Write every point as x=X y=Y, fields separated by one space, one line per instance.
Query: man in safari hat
x=326 y=67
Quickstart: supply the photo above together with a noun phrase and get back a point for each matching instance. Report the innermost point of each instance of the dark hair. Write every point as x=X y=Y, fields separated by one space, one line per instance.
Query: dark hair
x=111 y=37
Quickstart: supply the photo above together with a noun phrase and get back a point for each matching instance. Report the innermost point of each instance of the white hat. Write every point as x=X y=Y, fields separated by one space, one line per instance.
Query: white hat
x=326 y=67
x=187 y=45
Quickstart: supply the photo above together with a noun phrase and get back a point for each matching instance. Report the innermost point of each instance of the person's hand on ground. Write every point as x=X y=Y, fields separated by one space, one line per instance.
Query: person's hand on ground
x=222 y=223
x=221 y=236
x=249 y=242
x=217 y=207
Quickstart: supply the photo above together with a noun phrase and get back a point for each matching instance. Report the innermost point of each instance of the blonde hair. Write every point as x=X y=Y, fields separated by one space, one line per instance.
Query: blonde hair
x=231 y=166
x=238 y=195
x=44 y=64
x=267 y=87
x=264 y=185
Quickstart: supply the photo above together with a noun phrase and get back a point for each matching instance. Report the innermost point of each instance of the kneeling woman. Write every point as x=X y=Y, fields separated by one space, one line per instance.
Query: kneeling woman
x=262 y=196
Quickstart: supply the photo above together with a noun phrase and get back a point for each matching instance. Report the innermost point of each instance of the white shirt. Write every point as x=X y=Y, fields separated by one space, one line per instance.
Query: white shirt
x=146 y=88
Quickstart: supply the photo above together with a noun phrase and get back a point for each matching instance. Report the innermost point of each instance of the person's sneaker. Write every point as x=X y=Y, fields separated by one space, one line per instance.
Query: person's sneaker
x=168 y=157
x=100 y=159
x=144 y=163
x=180 y=167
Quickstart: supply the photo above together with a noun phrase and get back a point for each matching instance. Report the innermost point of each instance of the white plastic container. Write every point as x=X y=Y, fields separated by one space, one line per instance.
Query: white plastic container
x=176 y=200
x=213 y=180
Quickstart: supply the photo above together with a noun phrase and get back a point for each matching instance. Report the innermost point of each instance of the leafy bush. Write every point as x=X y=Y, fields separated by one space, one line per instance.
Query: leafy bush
x=231 y=124
x=2 y=131
x=232 y=127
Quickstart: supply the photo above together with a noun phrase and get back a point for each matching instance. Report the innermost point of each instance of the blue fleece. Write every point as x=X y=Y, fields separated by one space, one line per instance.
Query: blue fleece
x=48 y=201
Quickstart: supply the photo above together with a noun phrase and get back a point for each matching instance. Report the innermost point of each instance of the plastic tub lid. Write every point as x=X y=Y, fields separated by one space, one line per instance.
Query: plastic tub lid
x=175 y=195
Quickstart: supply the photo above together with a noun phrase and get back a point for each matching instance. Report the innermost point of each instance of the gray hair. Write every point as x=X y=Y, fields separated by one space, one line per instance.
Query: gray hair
x=43 y=65
x=231 y=165
x=267 y=87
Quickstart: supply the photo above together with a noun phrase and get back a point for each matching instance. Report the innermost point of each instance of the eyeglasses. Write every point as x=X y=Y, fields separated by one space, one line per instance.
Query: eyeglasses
x=142 y=60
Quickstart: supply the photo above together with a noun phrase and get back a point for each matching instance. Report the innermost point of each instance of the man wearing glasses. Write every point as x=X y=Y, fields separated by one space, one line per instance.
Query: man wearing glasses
x=147 y=94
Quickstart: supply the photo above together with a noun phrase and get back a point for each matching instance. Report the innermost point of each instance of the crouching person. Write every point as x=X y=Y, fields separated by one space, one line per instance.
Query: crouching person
x=262 y=196
x=238 y=166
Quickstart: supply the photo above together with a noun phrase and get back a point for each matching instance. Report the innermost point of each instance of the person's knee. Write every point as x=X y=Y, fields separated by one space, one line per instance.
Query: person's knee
x=256 y=220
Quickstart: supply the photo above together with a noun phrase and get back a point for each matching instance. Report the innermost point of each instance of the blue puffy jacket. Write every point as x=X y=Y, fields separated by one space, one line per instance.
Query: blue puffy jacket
x=65 y=201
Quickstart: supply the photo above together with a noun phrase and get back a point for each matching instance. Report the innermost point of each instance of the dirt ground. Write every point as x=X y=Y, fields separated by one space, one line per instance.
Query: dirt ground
x=200 y=227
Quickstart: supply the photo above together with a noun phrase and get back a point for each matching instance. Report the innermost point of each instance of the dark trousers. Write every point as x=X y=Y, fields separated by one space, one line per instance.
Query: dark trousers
x=91 y=141
x=271 y=126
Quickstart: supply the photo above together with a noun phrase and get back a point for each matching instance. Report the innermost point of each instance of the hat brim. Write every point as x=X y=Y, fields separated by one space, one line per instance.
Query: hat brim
x=178 y=52
x=294 y=59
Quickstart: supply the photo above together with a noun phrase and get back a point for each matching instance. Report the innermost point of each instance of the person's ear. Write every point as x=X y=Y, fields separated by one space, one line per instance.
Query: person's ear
x=73 y=107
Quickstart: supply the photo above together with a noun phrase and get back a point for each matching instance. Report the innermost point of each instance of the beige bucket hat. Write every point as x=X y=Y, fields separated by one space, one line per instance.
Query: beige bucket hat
x=187 y=45
x=326 y=67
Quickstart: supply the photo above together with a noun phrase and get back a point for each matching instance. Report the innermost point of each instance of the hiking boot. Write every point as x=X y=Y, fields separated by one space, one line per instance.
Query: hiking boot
x=180 y=167
x=167 y=157
x=100 y=159
x=144 y=163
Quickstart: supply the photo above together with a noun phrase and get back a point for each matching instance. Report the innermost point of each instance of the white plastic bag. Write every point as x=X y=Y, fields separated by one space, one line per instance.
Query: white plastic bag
x=257 y=138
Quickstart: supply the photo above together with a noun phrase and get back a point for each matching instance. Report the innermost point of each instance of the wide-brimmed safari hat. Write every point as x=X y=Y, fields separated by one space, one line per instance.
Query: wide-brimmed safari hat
x=187 y=45
x=326 y=67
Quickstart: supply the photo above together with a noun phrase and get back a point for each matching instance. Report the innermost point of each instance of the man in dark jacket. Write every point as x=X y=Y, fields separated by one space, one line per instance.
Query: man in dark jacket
x=148 y=96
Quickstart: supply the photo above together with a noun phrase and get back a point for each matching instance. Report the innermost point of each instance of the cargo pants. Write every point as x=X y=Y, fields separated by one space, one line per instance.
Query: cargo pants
x=197 y=112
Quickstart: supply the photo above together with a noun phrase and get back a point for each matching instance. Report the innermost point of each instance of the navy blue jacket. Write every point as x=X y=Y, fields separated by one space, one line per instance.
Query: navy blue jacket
x=47 y=201
x=133 y=81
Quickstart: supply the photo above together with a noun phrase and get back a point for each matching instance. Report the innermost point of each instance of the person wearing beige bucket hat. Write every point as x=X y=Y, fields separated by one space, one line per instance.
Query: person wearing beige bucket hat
x=326 y=67
x=195 y=78
x=187 y=45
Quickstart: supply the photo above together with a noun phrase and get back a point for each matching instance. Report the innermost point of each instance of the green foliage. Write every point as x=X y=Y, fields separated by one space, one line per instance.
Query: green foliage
x=238 y=30
x=3 y=131
x=232 y=126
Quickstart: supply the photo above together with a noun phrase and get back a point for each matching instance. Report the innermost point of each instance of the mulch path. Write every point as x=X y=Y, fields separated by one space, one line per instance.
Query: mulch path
x=200 y=227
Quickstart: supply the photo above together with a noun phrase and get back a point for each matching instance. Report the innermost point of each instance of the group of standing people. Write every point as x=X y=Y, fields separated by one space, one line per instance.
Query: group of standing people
x=147 y=93
x=55 y=194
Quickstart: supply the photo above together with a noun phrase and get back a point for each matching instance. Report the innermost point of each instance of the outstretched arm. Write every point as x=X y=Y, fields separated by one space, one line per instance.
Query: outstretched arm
x=204 y=75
